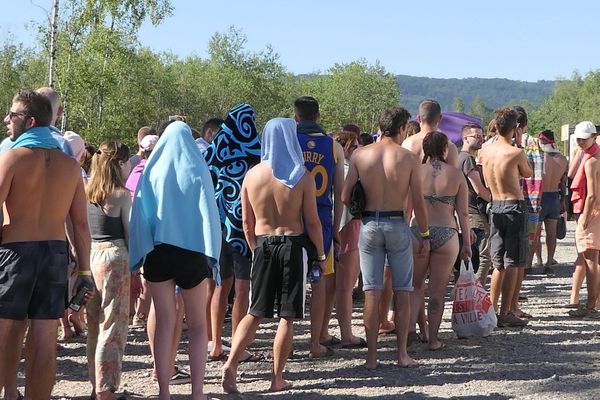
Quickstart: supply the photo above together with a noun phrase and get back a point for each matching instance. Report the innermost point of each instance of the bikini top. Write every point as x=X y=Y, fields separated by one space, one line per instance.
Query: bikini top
x=450 y=200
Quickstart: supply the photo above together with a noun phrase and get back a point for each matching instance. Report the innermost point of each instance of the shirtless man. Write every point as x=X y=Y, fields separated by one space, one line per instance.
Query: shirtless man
x=39 y=187
x=429 y=118
x=503 y=167
x=554 y=176
x=278 y=203
x=387 y=172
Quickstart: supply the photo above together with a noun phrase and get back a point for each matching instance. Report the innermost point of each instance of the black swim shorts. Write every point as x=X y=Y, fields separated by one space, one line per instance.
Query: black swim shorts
x=278 y=278
x=188 y=268
x=509 y=233
x=233 y=263
x=33 y=279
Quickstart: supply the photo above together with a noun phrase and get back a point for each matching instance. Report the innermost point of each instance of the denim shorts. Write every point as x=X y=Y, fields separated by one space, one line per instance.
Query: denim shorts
x=381 y=236
x=550 y=206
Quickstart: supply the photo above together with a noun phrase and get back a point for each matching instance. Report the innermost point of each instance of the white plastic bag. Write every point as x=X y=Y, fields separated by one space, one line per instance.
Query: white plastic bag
x=472 y=312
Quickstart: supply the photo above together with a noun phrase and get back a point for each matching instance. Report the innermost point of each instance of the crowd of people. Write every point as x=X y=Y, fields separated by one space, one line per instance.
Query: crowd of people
x=226 y=221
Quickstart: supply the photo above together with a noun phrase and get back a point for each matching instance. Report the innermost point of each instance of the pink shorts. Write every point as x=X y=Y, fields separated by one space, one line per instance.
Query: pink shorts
x=588 y=238
x=349 y=236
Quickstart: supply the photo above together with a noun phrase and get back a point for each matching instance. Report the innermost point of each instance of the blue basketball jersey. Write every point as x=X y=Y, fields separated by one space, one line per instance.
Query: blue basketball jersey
x=319 y=159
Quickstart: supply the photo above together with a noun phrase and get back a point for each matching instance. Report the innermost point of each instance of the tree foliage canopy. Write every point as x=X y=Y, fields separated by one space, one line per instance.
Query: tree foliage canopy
x=111 y=85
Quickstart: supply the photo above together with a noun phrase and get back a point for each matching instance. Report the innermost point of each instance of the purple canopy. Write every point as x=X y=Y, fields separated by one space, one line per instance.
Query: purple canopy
x=452 y=123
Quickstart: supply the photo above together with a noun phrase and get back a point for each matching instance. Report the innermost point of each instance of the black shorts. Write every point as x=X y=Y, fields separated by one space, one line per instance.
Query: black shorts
x=233 y=263
x=188 y=268
x=33 y=279
x=509 y=234
x=278 y=279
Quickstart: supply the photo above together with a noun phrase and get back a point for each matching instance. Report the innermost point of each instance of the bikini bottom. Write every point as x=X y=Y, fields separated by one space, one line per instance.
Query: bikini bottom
x=438 y=235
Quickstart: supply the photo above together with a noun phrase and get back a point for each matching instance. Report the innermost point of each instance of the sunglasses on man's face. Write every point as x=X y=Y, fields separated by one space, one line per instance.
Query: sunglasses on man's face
x=12 y=115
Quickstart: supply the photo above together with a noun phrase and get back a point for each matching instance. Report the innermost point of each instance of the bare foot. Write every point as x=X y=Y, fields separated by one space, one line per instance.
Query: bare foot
x=228 y=381
x=407 y=362
x=324 y=352
x=279 y=386
x=437 y=345
x=386 y=327
x=371 y=366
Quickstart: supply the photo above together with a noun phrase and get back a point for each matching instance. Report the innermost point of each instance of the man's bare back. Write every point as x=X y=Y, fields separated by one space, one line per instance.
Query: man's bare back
x=415 y=145
x=385 y=170
x=41 y=188
x=277 y=208
x=555 y=167
x=503 y=167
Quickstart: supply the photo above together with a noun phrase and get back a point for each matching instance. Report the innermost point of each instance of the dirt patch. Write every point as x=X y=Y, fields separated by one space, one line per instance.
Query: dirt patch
x=554 y=357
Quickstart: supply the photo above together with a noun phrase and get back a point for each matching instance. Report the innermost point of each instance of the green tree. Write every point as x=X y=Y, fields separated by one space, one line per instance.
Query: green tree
x=481 y=111
x=458 y=104
x=353 y=93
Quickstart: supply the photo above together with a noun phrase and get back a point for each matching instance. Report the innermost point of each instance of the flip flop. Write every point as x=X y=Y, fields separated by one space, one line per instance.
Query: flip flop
x=220 y=357
x=362 y=344
x=328 y=353
x=253 y=357
x=574 y=306
x=333 y=341
x=523 y=314
x=582 y=312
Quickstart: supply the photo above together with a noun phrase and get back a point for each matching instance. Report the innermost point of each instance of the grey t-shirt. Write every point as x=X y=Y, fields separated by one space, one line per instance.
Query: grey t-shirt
x=467 y=164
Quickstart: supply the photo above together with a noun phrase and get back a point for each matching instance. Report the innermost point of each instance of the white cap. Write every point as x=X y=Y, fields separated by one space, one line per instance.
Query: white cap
x=585 y=130
x=148 y=142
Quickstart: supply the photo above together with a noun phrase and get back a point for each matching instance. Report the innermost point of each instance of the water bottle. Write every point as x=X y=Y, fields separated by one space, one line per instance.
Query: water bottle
x=77 y=300
x=314 y=275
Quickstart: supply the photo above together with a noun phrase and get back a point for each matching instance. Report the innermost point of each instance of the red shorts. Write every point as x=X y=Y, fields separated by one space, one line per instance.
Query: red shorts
x=349 y=236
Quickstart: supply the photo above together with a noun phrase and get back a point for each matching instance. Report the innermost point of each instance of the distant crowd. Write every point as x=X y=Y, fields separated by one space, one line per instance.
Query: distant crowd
x=202 y=228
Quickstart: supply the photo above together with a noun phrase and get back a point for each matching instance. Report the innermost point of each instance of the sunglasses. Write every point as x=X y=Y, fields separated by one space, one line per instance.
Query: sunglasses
x=12 y=114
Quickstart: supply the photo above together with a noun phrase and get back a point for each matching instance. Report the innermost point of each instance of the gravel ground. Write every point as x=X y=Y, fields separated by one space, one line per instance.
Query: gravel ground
x=554 y=357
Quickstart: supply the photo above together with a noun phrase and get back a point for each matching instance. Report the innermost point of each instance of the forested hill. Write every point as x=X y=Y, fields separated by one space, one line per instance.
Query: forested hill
x=494 y=92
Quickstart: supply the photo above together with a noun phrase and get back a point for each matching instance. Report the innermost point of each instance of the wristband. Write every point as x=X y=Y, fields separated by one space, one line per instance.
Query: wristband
x=85 y=273
x=322 y=257
x=425 y=235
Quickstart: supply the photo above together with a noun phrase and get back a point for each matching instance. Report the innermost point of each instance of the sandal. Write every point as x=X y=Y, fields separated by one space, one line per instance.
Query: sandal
x=582 y=312
x=220 y=357
x=328 y=353
x=333 y=341
x=361 y=344
x=253 y=357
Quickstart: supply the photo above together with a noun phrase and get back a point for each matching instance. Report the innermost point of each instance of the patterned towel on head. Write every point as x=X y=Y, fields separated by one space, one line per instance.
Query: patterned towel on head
x=234 y=150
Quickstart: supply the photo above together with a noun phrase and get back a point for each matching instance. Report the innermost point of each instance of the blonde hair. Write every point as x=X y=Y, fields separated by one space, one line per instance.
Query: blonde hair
x=492 y=129
x=106 y=171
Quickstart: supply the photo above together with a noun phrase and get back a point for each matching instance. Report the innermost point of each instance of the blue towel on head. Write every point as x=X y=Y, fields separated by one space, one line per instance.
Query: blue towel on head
x=281 y=151
x=175 y=202
x=39 y=137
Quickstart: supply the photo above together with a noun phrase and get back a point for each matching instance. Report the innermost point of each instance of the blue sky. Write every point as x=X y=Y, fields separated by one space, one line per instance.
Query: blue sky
x=523 y=40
